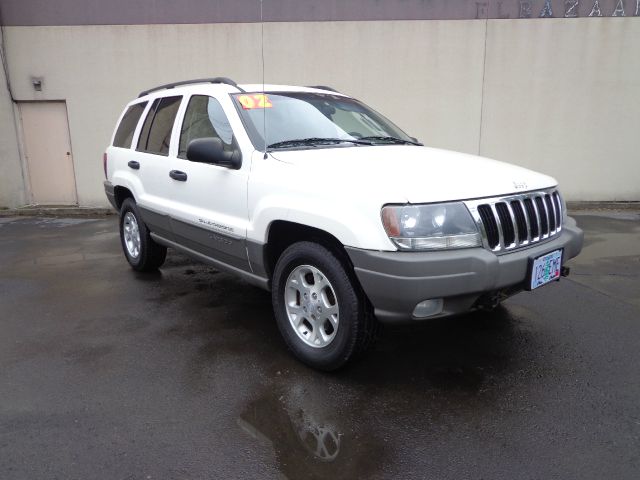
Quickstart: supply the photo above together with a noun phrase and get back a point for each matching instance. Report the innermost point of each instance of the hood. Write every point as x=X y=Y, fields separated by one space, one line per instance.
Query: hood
x=399 y=173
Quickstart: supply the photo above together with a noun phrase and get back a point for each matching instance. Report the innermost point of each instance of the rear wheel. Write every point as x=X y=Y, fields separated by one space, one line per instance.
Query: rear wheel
x=142 y=253
x=321 y=311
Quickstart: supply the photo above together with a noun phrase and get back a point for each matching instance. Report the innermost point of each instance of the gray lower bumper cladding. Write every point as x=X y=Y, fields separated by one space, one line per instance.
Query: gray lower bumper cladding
x=396 y=281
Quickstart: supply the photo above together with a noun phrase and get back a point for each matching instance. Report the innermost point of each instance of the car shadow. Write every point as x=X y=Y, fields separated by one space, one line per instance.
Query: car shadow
x=231 y=318
x=446 y=353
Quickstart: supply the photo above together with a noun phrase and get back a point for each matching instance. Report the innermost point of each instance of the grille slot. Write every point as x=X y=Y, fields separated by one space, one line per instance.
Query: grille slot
x=518 y=220
x=490 y=225
x=558 y=204
x=552 y=212
x=532 y=217
x=542 y=214
x=521 y=221
x=506 y=223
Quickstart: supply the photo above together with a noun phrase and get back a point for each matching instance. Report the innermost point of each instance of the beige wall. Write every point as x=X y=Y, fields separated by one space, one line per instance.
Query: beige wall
x=561 y=96
x=97 y=70
x=564 y=97
x=426 y=76
x=12 y=190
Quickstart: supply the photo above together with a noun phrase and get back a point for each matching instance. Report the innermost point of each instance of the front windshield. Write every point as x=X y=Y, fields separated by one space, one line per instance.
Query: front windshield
x=295 y=116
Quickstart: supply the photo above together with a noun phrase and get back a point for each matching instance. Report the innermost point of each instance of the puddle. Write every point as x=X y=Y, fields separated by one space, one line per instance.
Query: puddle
x=311 y=435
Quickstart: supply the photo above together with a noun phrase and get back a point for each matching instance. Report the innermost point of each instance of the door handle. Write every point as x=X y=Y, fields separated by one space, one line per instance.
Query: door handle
x=133 y=164
x=178 y=175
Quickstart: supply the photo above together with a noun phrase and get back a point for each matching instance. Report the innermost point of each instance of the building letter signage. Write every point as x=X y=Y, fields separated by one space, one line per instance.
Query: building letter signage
x=525 y=8
x=481 y=10
x=498 y=9
x=571 y=8
x=619 y=11
x=546 y=10
x=595 y=11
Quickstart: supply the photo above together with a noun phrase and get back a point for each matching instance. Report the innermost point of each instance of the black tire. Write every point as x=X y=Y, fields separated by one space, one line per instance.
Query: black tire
x=151 y=255
x=357 y=327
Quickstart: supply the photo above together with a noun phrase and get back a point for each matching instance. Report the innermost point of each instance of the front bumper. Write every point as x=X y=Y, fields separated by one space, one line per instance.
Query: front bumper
x=396 y=281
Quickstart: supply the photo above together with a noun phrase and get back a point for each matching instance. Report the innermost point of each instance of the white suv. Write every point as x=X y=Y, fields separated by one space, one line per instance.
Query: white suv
x=343 y=216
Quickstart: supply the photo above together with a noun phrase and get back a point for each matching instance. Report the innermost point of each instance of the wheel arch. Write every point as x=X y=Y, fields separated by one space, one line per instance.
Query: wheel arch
x=121 y=194
x=282 y=234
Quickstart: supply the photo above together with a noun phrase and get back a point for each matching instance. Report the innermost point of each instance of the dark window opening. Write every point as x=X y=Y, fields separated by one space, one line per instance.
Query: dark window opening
x=156 y=131
x=205 y=118
x=124 y=133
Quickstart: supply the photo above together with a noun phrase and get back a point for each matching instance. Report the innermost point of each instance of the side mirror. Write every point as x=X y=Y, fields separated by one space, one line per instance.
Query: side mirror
x=211 y=150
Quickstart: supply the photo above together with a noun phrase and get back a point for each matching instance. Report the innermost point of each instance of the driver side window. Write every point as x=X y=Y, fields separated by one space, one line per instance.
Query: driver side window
x=204 y=117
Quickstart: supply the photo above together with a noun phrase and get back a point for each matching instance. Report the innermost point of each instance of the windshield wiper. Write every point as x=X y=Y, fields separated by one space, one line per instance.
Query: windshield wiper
x=394 y=140
x=313 y=141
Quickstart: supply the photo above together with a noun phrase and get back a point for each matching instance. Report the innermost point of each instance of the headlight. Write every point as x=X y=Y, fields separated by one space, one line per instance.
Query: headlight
x=430 y=227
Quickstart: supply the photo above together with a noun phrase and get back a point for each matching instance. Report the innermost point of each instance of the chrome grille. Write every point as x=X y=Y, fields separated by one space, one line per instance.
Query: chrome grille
x=516 y=221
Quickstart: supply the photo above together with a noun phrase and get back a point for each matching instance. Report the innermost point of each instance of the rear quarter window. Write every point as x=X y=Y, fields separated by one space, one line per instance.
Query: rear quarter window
x=124 y=133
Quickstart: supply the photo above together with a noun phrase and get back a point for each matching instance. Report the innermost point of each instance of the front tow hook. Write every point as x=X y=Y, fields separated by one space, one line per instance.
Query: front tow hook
x=564 y=271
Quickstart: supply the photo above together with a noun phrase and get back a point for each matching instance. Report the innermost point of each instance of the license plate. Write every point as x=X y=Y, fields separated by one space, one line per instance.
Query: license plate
x=545 y=269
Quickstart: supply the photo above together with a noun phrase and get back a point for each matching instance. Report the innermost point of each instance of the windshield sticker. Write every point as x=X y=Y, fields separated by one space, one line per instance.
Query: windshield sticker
x=258 y=100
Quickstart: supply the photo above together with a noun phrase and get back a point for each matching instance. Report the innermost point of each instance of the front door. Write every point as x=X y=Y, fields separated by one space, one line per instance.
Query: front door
x=47 y=150
x=210 y=201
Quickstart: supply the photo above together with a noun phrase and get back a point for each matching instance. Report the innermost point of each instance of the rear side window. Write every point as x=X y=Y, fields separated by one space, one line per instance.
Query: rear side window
x=124 y=133
x=146 y=126
x=156 y=131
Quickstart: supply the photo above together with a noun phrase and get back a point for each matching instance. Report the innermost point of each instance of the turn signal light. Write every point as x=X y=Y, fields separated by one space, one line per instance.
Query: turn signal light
x=390 y=221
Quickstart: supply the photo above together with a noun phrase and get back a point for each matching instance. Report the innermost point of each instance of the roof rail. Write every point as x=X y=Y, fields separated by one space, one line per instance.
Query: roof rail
x=323 y=87
x=224 y=80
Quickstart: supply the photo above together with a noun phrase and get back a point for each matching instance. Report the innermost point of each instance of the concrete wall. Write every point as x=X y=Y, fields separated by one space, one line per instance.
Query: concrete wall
x=561 y=96
x=97 y=70
x=426 y=76
x=12 y=186
x=564 y=97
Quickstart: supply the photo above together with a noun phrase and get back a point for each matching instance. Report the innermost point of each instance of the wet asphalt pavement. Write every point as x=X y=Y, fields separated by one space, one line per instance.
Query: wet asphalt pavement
x=109 y=374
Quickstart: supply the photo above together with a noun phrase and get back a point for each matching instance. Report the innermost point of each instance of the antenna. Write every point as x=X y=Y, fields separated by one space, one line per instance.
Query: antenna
x=264 y=110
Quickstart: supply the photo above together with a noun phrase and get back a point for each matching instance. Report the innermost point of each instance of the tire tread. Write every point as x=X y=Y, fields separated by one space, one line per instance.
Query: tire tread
x=364 y=330
x=152 y=254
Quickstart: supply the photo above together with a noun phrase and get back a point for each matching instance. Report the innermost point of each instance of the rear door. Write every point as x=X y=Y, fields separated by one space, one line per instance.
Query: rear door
x=150 y=160
x=209 y=201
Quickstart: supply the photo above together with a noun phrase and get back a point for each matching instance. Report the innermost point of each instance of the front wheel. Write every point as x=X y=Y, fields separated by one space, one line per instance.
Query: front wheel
x=320 y=309
x=142 y=253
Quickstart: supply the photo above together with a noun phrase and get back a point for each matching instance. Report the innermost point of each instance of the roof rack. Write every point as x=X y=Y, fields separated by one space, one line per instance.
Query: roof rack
x=323 y=87
x=224 y=80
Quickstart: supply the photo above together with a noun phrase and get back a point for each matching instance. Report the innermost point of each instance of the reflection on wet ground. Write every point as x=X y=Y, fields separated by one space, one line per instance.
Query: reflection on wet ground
x=333 y=426
x=610 y=261
x=182 y=374
x=311 y=441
